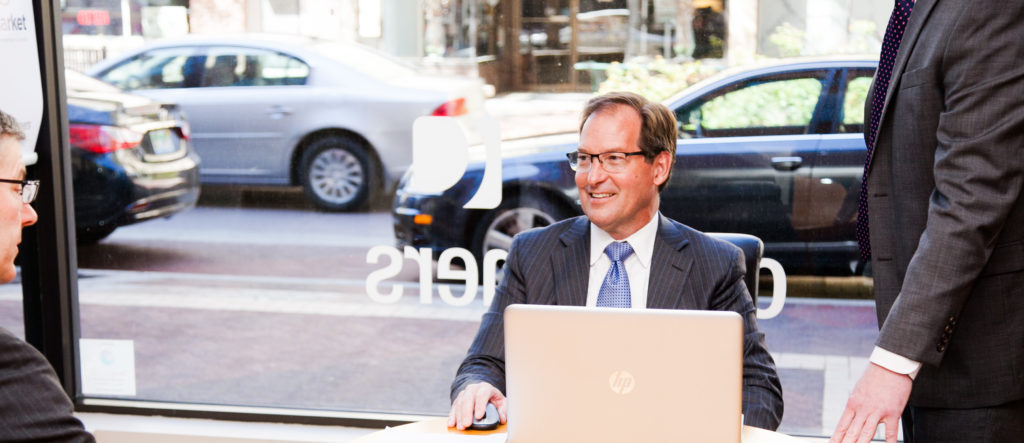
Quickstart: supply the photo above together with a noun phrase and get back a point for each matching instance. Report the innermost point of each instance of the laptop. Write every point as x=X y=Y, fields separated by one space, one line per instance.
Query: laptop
x=622 y=375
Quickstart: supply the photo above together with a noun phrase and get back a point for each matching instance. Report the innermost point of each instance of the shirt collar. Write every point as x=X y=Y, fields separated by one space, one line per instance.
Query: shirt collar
x=642 y=242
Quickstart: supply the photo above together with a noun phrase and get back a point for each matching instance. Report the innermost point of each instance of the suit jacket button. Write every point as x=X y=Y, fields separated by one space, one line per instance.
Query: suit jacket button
x=949 y=329
x=945 y=337
x=940 y=347
x=952 y=321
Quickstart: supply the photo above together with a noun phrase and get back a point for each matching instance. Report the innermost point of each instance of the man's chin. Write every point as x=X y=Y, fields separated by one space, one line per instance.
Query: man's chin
x=8 y=273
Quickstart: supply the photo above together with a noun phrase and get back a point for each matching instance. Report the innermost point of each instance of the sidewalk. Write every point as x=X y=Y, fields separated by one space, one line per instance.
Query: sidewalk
x=525 y=114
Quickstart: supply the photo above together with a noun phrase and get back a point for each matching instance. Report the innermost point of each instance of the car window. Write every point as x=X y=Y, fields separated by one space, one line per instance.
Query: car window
x=853 y=103
x=158 y=69
x=252 y=67
x=773 y=106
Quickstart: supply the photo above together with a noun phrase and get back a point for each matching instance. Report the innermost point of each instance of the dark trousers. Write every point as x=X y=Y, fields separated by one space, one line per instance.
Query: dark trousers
x=996 y=424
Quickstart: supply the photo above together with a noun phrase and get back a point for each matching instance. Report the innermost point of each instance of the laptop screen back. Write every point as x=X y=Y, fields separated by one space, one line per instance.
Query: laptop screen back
x=617 y=375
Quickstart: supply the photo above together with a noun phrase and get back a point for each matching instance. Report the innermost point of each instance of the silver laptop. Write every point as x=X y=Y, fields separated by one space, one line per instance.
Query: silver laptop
x=623 y=375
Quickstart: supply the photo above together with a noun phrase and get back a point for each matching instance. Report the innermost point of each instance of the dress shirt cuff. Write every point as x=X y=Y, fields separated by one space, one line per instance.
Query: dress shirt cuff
x=895 y=362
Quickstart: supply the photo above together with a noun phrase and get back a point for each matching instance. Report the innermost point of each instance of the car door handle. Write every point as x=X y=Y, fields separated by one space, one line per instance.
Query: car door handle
x=787 y=163
x=278 y=112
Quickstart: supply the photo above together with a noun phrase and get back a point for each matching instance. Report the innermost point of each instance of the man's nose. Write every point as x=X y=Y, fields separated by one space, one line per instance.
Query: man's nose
x=28 y=215
x=596 y=174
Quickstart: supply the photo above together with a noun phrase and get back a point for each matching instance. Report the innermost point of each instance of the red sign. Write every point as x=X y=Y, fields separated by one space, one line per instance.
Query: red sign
x=93 y=17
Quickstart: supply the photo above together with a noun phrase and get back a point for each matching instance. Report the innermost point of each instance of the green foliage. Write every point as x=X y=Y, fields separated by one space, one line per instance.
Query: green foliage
x=789 y=40
x=853 y=106
x=861 y=36
x=657 y=80
x=774 y=104
x=792 y=42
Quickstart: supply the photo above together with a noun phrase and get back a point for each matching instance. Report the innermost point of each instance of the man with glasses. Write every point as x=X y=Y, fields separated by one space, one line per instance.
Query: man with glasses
x=622 y=253
x=33 y=407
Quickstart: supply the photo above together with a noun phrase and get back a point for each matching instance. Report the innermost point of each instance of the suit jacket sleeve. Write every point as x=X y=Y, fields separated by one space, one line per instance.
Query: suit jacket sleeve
x=978 y=169
x=485 y=361
x=762 y=391
x=33 y=407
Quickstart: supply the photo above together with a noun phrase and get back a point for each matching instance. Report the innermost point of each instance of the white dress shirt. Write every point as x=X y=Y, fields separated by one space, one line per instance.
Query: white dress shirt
x=895 y=362
x=638 y=264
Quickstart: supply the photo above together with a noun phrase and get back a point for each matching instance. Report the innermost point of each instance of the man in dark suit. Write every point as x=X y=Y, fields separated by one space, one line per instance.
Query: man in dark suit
x=625 y=157
x=946 y=219
x=33 y=407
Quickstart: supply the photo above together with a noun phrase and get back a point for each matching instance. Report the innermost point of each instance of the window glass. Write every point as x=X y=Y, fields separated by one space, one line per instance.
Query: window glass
x=271 y=248
x=252 y=67
x=276 y=69
x=764 y=105
x=772 y=107
x=853 y=103
x=158 y=69
x=11 y=311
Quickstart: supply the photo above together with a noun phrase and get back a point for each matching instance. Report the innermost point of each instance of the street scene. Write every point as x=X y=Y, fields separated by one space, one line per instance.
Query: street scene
x=252 y=298
x=305 y=205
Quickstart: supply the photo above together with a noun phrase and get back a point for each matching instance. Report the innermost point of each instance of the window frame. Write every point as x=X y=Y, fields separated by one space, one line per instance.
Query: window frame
x=49 y=270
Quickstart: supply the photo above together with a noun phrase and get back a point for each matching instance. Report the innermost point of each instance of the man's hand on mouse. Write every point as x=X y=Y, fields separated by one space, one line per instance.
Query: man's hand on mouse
x=471 y=403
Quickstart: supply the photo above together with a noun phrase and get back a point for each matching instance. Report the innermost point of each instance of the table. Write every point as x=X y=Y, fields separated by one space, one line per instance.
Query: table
x=440 y=426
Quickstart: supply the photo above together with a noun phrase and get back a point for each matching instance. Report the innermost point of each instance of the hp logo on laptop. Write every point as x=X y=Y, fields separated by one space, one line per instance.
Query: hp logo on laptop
x=621 y=382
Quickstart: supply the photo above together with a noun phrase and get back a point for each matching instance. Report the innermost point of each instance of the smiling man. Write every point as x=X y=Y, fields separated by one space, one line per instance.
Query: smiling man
x=622 y=253
x=33 y=406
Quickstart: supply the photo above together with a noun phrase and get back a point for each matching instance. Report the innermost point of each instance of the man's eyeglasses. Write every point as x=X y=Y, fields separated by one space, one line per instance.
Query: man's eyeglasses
x=610 y=161
x=29 y=188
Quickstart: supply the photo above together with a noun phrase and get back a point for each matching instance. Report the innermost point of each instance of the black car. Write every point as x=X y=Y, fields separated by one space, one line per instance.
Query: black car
x=774 y=151
x=131 y=158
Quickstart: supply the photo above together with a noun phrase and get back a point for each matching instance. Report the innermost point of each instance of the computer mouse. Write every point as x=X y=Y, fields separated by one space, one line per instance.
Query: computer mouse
x=489 y=421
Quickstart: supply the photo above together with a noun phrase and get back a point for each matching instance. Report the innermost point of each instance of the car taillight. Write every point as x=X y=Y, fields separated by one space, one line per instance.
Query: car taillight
x=185 y=130
x=99 y=139
x=451 y=108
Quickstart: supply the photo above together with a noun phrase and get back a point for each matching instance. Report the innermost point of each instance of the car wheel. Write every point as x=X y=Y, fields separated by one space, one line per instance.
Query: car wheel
x=515 y=215
x=336 y=174
x=93 y=235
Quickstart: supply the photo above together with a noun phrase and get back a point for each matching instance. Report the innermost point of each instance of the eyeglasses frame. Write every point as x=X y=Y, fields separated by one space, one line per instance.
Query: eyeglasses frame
x=598 y=157
x=31 y=186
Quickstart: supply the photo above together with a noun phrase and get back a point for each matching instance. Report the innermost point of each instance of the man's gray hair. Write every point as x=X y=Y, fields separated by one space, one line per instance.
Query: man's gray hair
x=9 y=126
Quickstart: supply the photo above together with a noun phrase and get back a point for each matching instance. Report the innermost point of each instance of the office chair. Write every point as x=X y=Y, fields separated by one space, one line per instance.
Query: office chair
x=752 y=248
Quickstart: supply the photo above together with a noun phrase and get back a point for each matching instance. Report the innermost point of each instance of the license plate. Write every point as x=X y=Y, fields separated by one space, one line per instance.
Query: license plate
x=163 y=142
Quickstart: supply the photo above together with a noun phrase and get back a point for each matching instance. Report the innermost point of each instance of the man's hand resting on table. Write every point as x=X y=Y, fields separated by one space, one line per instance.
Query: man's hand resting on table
x=878 y=397
x=471 y=403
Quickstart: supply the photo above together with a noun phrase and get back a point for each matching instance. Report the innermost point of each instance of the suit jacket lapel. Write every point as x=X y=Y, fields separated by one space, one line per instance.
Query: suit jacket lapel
x=571 y=288
x=917 y=19
x=670 y=266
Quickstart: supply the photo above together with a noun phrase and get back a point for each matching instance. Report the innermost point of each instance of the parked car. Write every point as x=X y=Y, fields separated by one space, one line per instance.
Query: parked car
x=335 y=118
x=775 y=151
x=131 y=159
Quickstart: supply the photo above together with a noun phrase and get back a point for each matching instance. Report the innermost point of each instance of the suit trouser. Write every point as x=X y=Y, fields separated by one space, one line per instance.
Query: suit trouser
x=995 y=424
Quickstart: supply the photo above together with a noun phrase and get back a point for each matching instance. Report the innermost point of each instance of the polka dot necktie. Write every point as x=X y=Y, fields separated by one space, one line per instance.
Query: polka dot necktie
x=891 y=43
x=615 y=289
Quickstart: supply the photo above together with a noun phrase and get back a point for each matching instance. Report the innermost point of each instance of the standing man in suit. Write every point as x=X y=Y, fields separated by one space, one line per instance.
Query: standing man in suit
x=33 y=406
x=946 y=227
x=622 y=253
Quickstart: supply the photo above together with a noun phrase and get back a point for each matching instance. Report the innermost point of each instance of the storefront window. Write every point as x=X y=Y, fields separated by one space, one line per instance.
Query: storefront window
x=250 y=234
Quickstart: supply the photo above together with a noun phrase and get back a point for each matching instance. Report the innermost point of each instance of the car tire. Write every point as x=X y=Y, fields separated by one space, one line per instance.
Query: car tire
x=337 y=174
x=496 y=229
x=93 y=235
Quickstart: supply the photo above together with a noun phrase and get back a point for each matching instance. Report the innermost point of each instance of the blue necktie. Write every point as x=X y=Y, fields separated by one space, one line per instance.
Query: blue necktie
x=890 y=44
x=615 y=289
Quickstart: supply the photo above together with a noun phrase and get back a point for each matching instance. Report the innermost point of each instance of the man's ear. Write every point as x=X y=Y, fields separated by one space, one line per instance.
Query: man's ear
x=662 y=167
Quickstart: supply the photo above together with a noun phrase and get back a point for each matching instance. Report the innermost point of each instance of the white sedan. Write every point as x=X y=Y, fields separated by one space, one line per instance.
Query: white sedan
x=335 y=118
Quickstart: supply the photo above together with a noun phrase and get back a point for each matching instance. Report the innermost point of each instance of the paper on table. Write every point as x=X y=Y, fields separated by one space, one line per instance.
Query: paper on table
x=396 y=435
